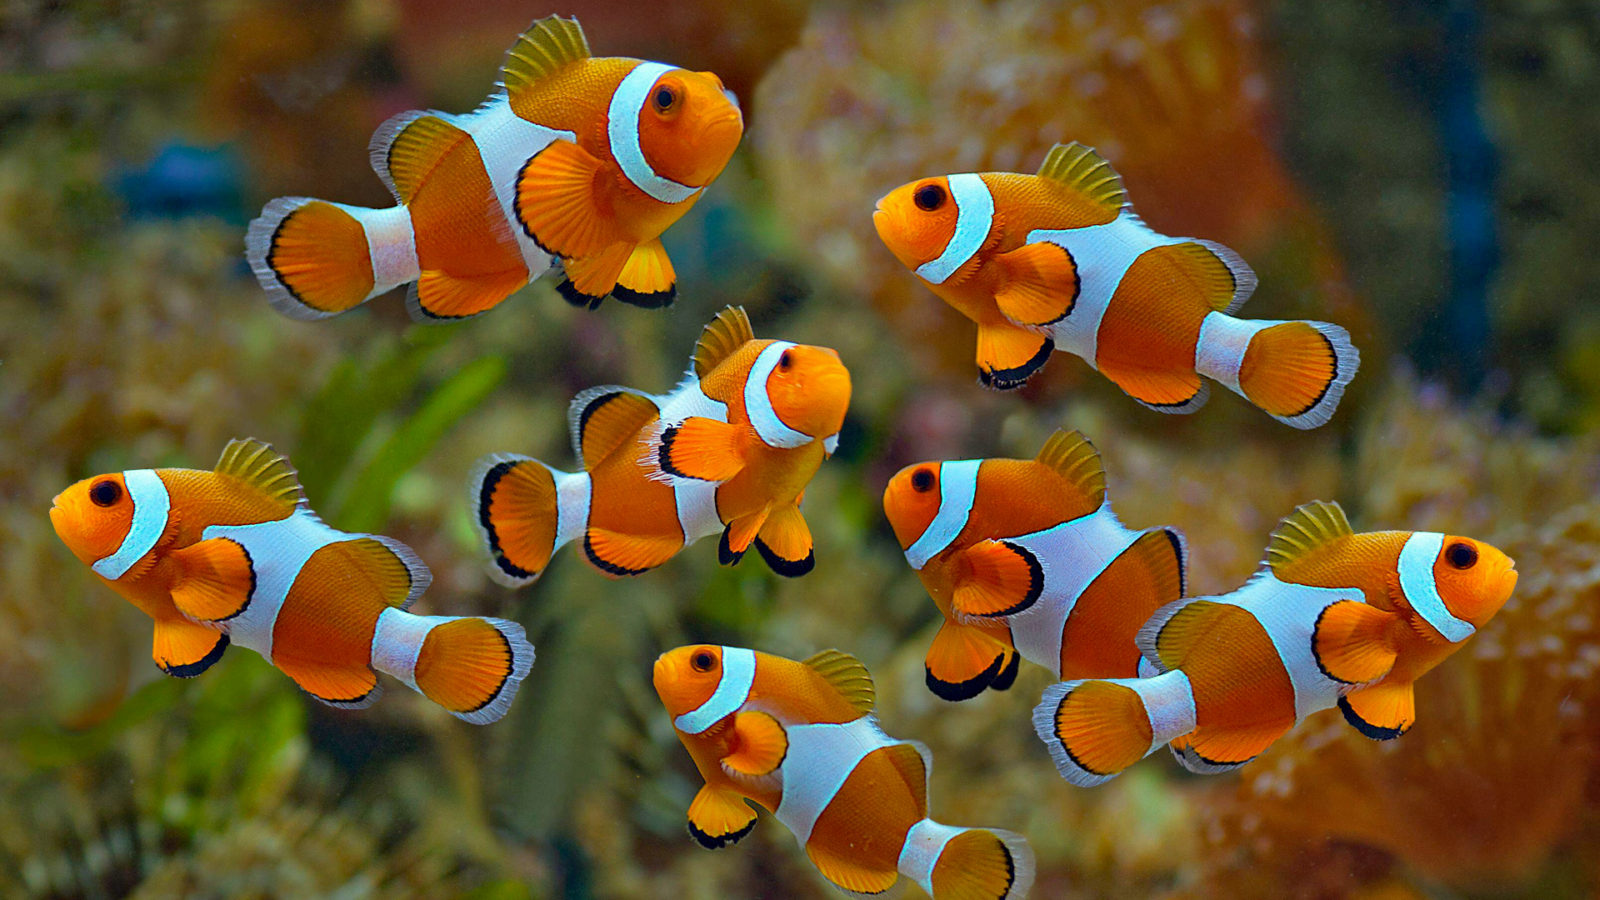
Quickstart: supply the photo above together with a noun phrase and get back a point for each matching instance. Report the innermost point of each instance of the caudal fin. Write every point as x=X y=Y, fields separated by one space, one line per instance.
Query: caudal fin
x=525 y=510
x=470 y=666
x=1295 y=371
x=317 y=259
x=1095 y=729
x=967 y=863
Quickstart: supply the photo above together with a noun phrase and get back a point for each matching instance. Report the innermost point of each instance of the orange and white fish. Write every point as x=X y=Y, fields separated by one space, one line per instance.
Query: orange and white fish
x=586 y=159
x=799 y=738
x=1026 y=557
x=236 y=556
x=729 y=451
x=1059 y=260
x=1332 y=619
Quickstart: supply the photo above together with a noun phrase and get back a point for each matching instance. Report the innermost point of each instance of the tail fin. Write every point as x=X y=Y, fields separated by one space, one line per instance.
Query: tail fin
x=525 y=511
x=470 y=666
x=317 y=259
x=1097 y=640
x=967 y=863
x=1295 y=371
x=1095 y=729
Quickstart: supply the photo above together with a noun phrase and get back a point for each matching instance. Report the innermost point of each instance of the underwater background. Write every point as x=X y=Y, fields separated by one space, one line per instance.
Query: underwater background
x=1426 y=174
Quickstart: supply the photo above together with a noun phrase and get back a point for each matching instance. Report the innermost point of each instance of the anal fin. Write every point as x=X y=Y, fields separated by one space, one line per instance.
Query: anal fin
x=590 y=279
x=344 y=687
x=620 y=555
x=184 y=649
x=719 y=818
x=442 y=295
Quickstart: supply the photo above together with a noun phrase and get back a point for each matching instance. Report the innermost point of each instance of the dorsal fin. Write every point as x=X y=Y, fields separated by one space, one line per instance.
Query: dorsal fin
x=605 y=418
x=1310 y=526
x=847 y=676
x=911 y=760
x=257 y=464
x=1071 y=454
x=548 y=45
x=729 y=331
x=1080 y=168
x=410 y=152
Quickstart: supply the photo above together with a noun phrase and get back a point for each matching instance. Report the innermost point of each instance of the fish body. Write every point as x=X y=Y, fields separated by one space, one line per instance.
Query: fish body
x=1334 y=618
x=1025 y=559
x=729 y=451
x=236 y=556
x=800 y=740
x=1059 y=260
x=578 y=158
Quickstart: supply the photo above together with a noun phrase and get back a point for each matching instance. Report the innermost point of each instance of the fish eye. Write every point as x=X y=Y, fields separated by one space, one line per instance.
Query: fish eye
x=665 y=98
x=105 y=493
x=1461 y=555
x=922 y=480
x=929 y=197
x=703 y=661
x=785 y=360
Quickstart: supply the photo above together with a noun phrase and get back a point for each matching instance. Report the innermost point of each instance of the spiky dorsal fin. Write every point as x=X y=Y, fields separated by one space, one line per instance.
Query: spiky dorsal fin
x=847 y=676
x=1071 y=454
x=257 y=464
x=729 y=331
x=1087 y=172
x=548 y=45
x=1309 y=527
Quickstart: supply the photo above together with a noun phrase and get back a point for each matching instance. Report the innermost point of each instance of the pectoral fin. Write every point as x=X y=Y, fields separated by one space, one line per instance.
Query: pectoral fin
x=996 y=578
x=216 y=580
x=1039 y=284
x=719 y=818
x=1383 y=711
x=556 y=203
x=759 y=745
x=1351 y=642
x=703 y=449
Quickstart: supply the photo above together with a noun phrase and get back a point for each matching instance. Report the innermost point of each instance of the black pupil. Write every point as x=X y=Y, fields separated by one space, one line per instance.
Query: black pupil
x=929 y=197
x=922 y=480
x=1462 y=556
x=664 y=98
x=785 y=360
x=703 y=661
x=105 y=493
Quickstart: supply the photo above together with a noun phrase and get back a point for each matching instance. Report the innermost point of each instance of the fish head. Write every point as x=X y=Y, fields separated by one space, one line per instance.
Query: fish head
x=916 y=220
x=93 y=516
x=689 y=126
x=809 y=389
x=1474 y=579
x=911 y=501
x=686 y=678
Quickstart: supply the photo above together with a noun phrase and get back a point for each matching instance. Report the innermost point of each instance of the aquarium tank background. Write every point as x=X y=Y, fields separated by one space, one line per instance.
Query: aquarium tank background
x=1425 y=174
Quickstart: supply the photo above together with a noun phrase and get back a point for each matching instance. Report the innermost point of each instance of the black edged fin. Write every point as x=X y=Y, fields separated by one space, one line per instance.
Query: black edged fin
x=646 y=299
x=1013 y=378
x=1008 y=675
x=725 y=554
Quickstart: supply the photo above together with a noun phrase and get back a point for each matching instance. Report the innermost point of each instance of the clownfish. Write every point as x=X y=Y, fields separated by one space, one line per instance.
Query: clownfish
x=1026 y=559
x=236 y=556
x=1059 y=260
x=729 y=451
x=1332 y=618
x=574 y=157
x=800 y=740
